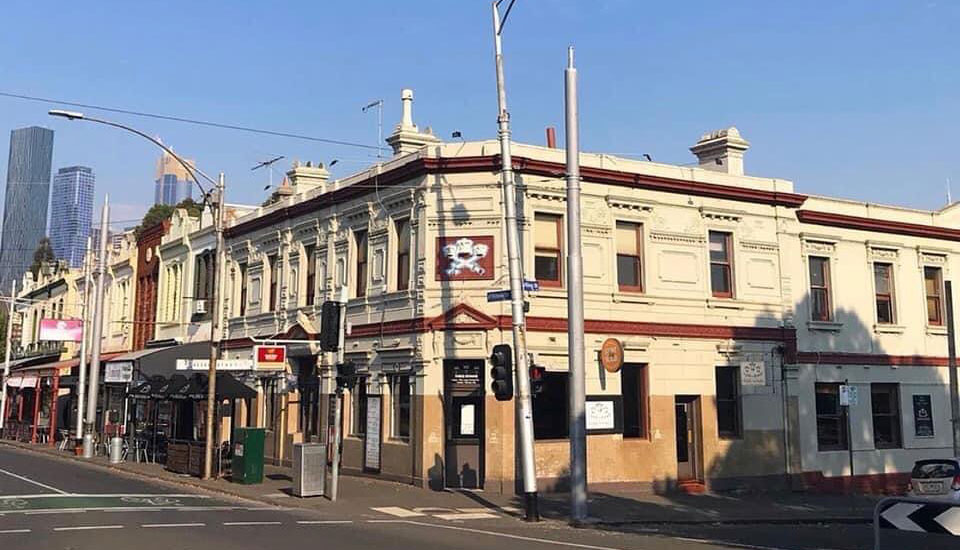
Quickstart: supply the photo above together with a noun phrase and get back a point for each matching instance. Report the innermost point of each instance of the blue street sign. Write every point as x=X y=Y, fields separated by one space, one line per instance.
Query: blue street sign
x=498 y=295
x=531 y=286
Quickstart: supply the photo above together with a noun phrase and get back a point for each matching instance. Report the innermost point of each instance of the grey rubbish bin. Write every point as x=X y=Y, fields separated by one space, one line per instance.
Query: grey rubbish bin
x=116 y=450
x=309 y=469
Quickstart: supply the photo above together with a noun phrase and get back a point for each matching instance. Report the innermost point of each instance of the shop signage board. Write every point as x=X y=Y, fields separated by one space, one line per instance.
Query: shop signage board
x=222 y=364
x=371 y=455
x=61 y=330
x=753 y=373
x=601 y=415
x=118 y=372
x=611 y=355
x=269 y=358
x=922 y=416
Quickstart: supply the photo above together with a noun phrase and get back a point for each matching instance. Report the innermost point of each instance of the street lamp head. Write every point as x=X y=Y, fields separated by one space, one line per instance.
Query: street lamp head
x=70 y=115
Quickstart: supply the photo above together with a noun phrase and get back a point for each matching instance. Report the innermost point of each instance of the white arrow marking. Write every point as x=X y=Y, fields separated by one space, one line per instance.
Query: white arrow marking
x=950 y=520
x=897 y=516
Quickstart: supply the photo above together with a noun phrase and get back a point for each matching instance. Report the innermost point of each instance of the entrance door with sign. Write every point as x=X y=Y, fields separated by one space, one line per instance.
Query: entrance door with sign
x=688 y=434
x=463 y=398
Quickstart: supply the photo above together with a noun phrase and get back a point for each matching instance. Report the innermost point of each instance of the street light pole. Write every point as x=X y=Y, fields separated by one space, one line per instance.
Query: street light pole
x=214 y=328
x=575 y=340
x=524 y=403
x=85 y=335
x=6 y=364
x=94 y=378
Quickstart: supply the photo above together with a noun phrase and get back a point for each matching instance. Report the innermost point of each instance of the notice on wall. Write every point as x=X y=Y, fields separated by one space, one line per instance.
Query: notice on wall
x=753 y=373
x=468 y=419
x=922 y=416
x=119 y=372
x=849 y=396
x=371 y=455
x=601 y=415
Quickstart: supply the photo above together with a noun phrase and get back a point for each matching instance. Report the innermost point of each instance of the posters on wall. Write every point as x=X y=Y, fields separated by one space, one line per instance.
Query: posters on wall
x=922 y=416
x=601 y=415
x=371 y=455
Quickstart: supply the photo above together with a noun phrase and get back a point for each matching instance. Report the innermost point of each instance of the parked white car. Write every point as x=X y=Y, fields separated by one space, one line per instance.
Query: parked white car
x=937 y=478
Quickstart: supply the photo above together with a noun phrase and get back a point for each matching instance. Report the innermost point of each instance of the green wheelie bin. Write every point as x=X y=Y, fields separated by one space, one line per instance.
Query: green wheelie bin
x=248 y=455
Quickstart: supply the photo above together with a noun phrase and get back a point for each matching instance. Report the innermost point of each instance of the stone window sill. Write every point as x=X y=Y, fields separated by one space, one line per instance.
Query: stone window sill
x=936 y=330
x=888 y=329
x=825 y=326
x=721 y=303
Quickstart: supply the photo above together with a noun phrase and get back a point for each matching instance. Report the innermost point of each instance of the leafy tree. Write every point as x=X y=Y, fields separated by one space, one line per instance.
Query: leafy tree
x=161 y=212
x=42 y=255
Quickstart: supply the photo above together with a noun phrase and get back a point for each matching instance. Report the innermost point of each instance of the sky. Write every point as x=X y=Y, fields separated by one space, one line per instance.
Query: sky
x=855 y=99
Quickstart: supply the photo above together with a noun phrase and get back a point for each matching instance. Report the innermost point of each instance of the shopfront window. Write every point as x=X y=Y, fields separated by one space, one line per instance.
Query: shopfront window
x=400 y=395
x=358 y=408
x=831 y=422
x=550 y=408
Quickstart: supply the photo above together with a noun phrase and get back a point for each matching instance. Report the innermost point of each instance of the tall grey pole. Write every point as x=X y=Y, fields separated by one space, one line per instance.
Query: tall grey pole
x=337 y=410
x=85 y=335
x=214 y=328
x=94 y=379
x=524 y=404
x=952 y=354
x=6 y=364
x=575 y=341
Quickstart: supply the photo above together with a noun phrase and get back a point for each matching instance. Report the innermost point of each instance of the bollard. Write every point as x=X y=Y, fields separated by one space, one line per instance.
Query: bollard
x=88 y=450
x=116 y=450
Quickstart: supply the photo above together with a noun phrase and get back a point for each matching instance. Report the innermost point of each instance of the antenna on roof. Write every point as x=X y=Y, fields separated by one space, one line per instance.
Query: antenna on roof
x=949 y=197
x=268 y=164
x=379 y=105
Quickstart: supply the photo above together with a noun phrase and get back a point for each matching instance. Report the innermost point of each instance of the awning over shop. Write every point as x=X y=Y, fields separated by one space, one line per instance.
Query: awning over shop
x=181 y=388
x=162 y=361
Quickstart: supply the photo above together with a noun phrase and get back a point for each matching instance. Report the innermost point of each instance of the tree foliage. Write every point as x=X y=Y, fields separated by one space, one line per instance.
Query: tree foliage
x=42 y=255
x=161 y=212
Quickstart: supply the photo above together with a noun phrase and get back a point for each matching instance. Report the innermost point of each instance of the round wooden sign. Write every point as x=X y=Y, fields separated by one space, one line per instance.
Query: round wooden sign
x=611 y=355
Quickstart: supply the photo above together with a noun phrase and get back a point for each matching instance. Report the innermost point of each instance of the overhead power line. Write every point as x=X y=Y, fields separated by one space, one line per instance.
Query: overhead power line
x=188 y=120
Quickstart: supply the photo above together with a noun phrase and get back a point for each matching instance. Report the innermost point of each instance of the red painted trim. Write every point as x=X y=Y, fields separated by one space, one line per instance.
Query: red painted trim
x=840 y=358
x=425 y=166
x=879 y=225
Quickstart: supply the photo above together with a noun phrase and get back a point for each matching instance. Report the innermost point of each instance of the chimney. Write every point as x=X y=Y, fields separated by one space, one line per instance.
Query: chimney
x=551 y=137
x=407 y=137
x=722 y=151
x=307 y=178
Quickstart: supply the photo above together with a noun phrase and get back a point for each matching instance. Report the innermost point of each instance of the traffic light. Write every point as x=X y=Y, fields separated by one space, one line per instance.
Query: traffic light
x=330 y=326
x=501 y=372
x=346 y=375
x=536 y=379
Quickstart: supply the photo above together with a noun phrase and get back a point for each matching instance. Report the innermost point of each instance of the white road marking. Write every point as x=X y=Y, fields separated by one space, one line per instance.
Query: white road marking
x=325 y=522
x=724 y=543
x=474 y=510
x=474 y=515
x=245 y=523
x=37 y=483
x=278 y=495
x=52 y=511
x=88 y=527
x=510 y=536
x=161 y=525
x=398 y=511
x=14 y=531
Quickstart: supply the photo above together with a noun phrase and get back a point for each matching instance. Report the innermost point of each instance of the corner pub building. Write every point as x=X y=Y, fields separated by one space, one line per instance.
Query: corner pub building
x=740 y=306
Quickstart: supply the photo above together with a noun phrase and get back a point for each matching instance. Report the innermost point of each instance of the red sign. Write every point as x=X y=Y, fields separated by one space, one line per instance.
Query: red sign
x=269 y=357
x=61 y=330
x=464 y=258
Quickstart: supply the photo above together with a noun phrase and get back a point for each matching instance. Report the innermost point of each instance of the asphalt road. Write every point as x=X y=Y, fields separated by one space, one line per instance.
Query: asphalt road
x=51 y=503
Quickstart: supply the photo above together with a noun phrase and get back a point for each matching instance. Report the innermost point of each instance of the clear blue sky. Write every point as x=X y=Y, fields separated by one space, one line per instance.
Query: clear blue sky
x=856 y=99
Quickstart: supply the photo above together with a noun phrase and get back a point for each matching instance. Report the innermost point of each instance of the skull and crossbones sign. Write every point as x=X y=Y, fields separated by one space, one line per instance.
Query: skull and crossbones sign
x=464 y=255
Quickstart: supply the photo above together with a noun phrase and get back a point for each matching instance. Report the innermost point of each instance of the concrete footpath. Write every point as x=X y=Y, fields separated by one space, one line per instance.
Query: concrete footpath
x=358 y=495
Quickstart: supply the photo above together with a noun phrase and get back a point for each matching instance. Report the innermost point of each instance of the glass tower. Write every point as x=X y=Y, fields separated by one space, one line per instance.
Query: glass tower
x=25 y=201
x=174 y=183
x=71 y=213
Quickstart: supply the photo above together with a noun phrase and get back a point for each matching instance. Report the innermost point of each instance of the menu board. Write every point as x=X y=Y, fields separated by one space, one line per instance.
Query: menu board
x=922 y=416
x=371 y=455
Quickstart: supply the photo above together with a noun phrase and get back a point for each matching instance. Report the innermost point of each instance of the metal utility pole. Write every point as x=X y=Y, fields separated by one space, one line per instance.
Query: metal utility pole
x=6 y=364
x=214 y=328
x=952 y=354
x=85 y=335
x=575 y=341
x=337 y=409
x=524 y=403
x=93 y=392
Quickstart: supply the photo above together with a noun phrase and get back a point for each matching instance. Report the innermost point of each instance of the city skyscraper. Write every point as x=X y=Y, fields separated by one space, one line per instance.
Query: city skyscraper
x=25 y=201
x=173 y=183
x=71 y=213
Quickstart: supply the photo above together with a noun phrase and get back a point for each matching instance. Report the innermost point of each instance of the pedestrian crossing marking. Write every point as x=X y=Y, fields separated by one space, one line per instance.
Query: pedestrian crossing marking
x=397 y=511
x=461 y=516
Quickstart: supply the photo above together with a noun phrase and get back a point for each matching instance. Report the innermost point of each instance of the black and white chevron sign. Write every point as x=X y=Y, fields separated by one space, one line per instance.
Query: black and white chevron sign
x=920 y=516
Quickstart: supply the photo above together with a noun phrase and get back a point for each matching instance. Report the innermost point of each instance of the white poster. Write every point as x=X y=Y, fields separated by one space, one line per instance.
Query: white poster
x=600 y=415
x=371 y=458
x=753 y=373
x=118 y=373
x=468 y=421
